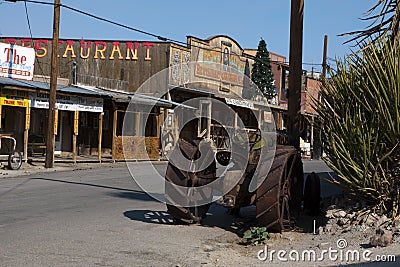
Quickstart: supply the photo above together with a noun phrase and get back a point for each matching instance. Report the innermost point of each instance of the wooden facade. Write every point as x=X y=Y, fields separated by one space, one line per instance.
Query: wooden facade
x=122 y=66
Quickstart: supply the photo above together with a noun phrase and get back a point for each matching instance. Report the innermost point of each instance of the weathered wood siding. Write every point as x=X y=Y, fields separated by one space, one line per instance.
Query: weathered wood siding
x=137 y=147
x=123 y=65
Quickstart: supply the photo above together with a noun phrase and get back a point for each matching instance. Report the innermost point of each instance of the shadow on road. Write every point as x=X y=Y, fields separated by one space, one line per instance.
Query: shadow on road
x=220 y=217
x=150 y=216
x=86 y=184
x=133 y=194
x=124 y=192
x=217 y=216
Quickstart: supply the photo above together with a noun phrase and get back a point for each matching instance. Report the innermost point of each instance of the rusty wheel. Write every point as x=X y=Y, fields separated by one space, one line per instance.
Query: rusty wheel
x=279 y=196
x=177 y=180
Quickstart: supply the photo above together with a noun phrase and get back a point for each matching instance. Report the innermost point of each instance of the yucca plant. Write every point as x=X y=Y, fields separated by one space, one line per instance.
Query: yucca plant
x=360 y=119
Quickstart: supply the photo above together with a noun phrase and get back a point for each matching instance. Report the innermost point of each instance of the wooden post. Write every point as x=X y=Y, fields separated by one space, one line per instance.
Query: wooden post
x=295 y=71
x=279 y=122
x=1 y=107
x=137 y=125
x=324 y=55
x=158 y=122
x=50 y=141
x=114 y=134
x=100 y=135
x=176 y=128
x=312 y=134
x=54 y=133
x=209 y=110
x=26 y=132
x=236 y=120
x=317 y=144
x=74 y=136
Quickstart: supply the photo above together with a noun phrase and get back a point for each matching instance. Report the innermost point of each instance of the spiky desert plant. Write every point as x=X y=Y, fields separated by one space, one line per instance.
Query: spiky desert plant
x=360 y=113
x=384 y=18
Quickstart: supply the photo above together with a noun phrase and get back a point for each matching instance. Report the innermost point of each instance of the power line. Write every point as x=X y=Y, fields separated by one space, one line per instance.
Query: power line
x=159 y=37
x=30 y=32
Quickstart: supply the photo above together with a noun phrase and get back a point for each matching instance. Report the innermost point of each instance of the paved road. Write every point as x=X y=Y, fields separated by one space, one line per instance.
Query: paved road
x=99 y=216
x=93 y=217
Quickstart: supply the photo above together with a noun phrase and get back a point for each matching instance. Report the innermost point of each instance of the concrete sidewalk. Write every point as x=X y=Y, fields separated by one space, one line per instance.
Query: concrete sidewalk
x=38 y=167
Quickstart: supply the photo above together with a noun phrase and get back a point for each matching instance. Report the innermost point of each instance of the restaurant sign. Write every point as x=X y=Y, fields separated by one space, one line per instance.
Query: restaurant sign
x=16 y=61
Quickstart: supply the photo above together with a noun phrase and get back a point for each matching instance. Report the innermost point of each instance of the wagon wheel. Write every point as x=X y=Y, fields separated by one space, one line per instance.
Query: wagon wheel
x=280 y=194
x=284 y=198
x=14 y=160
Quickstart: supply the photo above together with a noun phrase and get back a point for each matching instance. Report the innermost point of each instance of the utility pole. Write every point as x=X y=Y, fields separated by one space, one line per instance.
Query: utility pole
x=295 y=71
x=318 y=138
x=324 y=56
x=51 y=131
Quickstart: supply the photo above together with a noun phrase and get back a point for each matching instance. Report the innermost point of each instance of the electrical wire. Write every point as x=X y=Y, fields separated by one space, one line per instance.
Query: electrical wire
x=30 y=32
x=159 y=37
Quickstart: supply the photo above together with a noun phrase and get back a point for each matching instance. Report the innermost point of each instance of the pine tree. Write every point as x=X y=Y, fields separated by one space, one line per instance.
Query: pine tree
x=261 y=73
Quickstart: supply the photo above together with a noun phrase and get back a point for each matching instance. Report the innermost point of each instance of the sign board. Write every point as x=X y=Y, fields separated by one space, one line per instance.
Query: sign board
x=239 y=103
x=268 y=116
x=89 y=49
x=16 y=61
x=68 y=103
x=23 y=103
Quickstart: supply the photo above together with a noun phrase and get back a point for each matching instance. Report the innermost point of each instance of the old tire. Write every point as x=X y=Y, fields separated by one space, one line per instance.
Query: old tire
x=14 y=160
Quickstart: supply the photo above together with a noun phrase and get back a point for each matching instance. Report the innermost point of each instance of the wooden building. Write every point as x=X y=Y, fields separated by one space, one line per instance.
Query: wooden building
x=24 y=111
x=213 y=69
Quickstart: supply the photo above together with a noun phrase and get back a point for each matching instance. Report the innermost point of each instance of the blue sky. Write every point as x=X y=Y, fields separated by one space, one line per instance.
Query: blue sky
x=245 y=21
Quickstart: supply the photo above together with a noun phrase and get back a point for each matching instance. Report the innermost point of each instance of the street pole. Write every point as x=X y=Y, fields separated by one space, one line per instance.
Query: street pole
x=317 y=146
x=50 y=140
x=295 y=71
x=324 y=56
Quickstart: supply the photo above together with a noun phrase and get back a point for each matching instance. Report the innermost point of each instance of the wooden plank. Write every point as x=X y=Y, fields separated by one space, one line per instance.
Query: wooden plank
x=114 y=134
x=76 y=127
x=26 y=132
x=26 y=135
x=74 y=148
x=100 y=135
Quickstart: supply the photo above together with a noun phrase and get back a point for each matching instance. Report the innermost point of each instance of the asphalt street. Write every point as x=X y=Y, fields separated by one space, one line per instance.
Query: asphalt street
x=99 y=216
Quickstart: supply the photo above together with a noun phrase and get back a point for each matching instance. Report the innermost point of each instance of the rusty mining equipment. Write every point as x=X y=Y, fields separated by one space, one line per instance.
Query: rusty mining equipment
x=278 y=196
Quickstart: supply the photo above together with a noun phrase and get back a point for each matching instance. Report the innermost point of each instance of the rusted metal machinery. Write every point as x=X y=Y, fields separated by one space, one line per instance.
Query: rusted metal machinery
x=277 y=199
x=178 y=178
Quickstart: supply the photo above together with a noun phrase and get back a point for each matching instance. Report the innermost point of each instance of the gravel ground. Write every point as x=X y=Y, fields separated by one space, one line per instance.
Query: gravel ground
x=294 y=248
x=299 y=248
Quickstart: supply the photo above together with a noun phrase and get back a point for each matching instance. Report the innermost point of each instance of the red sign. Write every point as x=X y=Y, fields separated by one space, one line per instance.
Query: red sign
x=89 y=49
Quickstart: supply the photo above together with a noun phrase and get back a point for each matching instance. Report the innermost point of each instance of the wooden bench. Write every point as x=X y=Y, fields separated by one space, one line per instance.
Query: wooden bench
x=36 y=143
